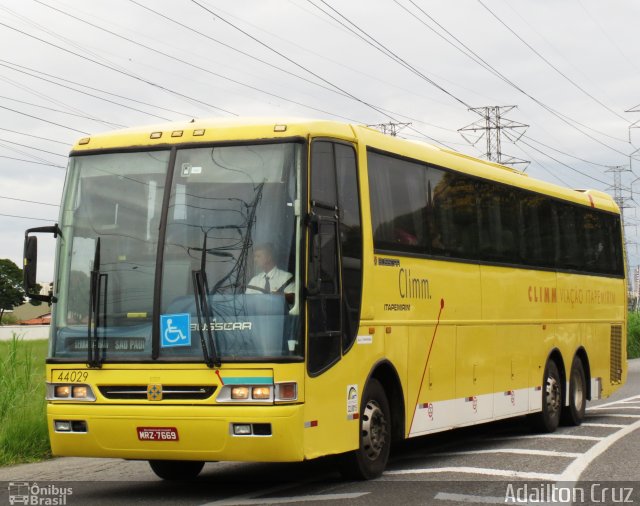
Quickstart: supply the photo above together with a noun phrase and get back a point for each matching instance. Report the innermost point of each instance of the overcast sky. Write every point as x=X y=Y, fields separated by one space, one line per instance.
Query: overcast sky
x=70 y=68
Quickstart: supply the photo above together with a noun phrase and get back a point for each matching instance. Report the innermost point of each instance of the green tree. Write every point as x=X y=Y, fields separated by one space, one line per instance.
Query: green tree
x=11 y=290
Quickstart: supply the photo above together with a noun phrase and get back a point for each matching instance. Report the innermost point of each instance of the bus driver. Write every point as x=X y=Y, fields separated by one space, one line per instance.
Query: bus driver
x=269 y=279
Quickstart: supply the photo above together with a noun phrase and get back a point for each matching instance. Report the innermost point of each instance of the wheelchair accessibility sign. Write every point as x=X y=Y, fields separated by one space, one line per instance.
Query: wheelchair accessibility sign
x=175 y=330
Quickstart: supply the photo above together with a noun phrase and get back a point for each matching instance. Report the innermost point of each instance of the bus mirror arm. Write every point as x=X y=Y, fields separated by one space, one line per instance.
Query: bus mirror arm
x=30 y=261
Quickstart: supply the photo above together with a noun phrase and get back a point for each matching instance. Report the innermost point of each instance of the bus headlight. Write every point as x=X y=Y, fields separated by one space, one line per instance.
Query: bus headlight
x=261 y=393
x=240 y=393
x=62 y=391
x=69 y=392
x=80 y=391
x=246 y=393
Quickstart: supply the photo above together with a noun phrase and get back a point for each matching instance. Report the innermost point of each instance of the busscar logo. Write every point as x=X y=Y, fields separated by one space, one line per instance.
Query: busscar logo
x=386 y=262
x=38 y=495
x=227 y=326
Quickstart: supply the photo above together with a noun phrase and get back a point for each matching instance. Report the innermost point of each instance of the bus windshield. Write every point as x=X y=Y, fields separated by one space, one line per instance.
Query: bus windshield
x=188 y=257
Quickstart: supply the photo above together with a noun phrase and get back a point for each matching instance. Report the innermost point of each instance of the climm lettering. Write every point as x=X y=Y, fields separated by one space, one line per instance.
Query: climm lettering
x=412 y=288
x=543 y=294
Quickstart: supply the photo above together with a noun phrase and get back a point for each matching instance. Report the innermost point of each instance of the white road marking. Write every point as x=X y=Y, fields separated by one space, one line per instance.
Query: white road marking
x=516 y=451
x=546 y=436
x=598 y=408
x=608 y=425
x=616 y=402
x=475 y=499
x=575 y=469
x=571 y=473
x=618 y=415
x=238 y=501
x=478 y=470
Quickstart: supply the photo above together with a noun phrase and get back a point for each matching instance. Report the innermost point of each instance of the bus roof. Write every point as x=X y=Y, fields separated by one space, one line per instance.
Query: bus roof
x=251 y=129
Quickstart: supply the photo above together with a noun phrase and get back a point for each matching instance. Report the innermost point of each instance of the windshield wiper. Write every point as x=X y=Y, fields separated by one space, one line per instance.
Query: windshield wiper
x=94 y=357
x=201 y=294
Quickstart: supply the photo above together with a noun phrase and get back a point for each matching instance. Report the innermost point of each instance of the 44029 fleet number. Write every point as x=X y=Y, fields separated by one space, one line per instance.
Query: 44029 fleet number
x=70 y=376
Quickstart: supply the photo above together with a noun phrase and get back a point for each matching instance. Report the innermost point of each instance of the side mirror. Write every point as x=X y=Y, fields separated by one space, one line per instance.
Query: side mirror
x=30 y=261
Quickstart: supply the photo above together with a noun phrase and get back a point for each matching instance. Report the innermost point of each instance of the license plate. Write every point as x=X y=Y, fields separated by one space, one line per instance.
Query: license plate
x=157 y=434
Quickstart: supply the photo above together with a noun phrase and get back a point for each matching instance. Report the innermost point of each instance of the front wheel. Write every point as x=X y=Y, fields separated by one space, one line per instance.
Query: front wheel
x=573 y=414
x=370 y=459
x=549 y=418
x=173 y=470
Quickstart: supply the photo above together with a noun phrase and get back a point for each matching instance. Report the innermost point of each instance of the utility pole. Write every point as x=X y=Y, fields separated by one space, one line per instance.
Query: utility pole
x=492 y=125
x=619 y=191
x=632 y=156
x=622 y=196
x=392 y=128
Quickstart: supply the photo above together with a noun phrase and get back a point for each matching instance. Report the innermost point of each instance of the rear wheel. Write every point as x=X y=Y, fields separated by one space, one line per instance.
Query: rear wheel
x=370 y=459
x=176 y=469
x=549 y=418
x=573 y=414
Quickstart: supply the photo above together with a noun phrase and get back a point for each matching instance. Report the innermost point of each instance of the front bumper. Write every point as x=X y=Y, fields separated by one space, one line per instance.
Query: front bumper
x=204 y=432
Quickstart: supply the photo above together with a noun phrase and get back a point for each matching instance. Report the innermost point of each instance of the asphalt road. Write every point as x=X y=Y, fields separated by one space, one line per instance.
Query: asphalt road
x=498 y=463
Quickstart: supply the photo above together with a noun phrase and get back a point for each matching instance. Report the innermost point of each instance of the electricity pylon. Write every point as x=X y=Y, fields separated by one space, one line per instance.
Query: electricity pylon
x=492 y=125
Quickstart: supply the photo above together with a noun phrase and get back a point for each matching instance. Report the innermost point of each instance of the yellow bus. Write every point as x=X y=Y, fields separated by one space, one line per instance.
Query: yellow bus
x=261 y=290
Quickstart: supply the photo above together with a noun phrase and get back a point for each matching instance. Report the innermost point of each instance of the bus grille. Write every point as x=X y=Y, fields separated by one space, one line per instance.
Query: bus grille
x=616 y=354
x=169 y=392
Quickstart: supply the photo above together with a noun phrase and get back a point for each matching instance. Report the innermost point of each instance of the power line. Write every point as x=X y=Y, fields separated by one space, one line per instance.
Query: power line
x=29 y=201
x=31 y=161
x=563 y=164
x=372 y=41
x=109 y=67
x=198 y=67
x=576 y=85
x=191 y=29
x=604 y=32
x=534 y=160
x=390 y=54
x=12 y=147
x=42 y=119
x=11 y=65
x=282 y=55
x=34 y=136
x=31 y=147
x=339 y=91
x=483 y=63
x=61 y=112
x=25 y=217
x=565 y=153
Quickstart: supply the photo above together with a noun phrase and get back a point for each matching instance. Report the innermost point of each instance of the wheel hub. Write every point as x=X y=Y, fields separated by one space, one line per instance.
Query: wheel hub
x=578 y=392
x=374 y=430
x=553 y=395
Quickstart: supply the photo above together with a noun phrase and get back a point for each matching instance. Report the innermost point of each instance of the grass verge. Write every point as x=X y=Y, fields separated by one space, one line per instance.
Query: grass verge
x=23 y=423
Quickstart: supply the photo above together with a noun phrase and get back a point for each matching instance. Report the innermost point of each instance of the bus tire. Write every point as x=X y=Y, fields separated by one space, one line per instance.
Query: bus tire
x=573 y=414
x=549 y=418
x=370 y=459
x=173 y=470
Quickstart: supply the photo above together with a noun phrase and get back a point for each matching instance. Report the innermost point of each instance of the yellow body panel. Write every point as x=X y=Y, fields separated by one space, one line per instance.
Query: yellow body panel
x=474 y=336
